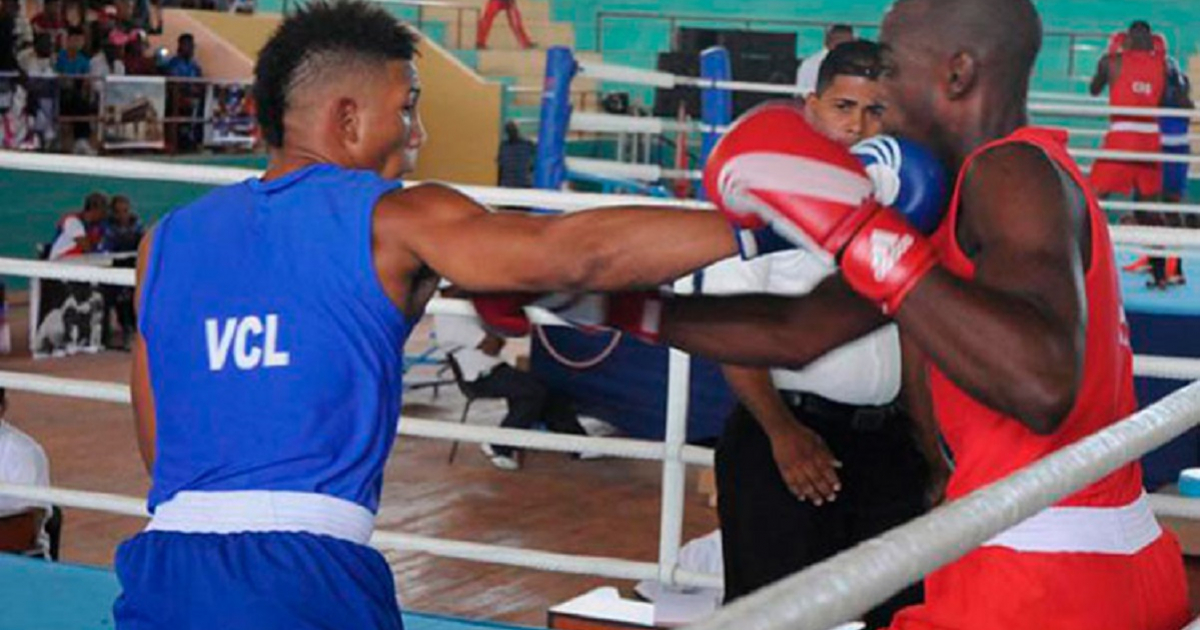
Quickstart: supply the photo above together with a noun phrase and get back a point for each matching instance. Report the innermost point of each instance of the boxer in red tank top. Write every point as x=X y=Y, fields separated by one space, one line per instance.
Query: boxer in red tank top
x=1021 y=325
x=1135 y=71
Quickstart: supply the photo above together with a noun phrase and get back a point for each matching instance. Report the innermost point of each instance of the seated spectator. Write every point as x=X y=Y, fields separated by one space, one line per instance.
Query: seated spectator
x=22 y=461
x=76 y=95
x=42 y=61
x=122 y=233
x=137 y=61
x=72 y=60
x=73 y=237
x=185 y=99
x=52 y=22
x=108 y=61
x=123 y=229
x=530 y=401
x=22 y=30
x=8 y=43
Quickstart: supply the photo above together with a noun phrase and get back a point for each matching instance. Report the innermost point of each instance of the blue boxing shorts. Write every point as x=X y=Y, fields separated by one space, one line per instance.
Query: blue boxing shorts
x=252 y=581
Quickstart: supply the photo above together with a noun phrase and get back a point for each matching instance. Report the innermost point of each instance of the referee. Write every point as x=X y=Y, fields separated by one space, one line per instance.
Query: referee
x=816 y=460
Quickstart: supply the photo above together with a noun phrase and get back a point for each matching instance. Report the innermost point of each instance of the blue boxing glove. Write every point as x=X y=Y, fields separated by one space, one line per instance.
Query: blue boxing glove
x=907 y=177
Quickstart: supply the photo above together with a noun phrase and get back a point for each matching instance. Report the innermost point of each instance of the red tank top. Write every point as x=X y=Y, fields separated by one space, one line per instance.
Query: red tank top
x=988 y=445
x=1139 y=82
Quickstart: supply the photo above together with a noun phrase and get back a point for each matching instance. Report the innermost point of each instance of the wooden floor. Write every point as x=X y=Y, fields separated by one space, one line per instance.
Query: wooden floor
x=605 y=507
x=602 y=507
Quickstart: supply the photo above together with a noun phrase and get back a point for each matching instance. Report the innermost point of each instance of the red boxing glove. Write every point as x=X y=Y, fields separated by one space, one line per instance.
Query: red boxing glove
x=886 y=259
x=773 y=165
x=637 y=313
x=503 y=314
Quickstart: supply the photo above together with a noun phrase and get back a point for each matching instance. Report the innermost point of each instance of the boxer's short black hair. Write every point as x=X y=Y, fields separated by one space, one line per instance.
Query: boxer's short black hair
x=859 y=58
x=322 y=36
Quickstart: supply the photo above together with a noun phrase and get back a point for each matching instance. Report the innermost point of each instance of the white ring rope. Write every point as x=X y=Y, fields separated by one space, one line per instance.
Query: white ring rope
x=841 y=588
x=639 y=76
x=504 y=197
x=78 y=165
x=627 y=448
x=615 y=568
x=626 y=170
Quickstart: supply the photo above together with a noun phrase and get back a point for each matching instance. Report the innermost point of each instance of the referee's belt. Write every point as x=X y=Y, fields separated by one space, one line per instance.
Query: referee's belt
x=862 y=418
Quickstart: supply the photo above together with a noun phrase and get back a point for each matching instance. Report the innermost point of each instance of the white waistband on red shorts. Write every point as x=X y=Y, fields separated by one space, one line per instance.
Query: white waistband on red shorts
x=1122 y=530
x=1135 y=127
x=263 y=511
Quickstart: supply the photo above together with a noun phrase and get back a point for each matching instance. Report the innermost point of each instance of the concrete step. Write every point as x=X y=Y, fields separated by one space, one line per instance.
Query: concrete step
x=461 y=34
x=519 y=63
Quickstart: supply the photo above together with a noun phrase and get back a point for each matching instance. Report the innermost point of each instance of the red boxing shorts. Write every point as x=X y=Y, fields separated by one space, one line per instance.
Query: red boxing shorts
x=1144 y=179
x=1035 y=581
x=1116 y=177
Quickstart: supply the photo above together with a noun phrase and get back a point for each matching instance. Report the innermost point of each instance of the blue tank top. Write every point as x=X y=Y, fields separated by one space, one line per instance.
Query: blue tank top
x=275 y=355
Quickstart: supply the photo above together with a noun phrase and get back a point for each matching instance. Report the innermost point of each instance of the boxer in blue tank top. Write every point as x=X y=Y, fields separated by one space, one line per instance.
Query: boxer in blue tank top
x=267 y=375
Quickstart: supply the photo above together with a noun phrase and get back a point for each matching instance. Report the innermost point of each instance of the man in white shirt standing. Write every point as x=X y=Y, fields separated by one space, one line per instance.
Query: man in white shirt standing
x=487 y=373
x=814 y=461
x=806 y=75
x=22 y=461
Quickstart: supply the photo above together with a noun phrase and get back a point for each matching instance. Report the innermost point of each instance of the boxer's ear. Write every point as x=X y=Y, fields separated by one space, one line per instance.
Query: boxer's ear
x=962 y=71
x=349 y=120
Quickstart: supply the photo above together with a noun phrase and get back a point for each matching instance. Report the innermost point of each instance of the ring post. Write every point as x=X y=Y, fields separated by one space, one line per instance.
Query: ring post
x=716 y=104
x=550 y=167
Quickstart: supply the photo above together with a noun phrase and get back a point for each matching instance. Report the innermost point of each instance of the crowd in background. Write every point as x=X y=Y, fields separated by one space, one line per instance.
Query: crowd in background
x=47 y=104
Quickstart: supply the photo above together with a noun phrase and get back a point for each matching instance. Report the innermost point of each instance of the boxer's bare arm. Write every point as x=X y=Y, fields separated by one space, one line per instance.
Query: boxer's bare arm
x=143 y=396
x=769 y=330
x=480 y=250
x=1013 y=337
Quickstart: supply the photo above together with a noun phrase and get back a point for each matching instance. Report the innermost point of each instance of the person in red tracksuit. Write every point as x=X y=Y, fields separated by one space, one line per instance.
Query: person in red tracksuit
x=1135 y=72
x=514 y=21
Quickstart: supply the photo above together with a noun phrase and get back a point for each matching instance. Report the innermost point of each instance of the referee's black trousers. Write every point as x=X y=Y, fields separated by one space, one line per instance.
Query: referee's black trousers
x=768 y=534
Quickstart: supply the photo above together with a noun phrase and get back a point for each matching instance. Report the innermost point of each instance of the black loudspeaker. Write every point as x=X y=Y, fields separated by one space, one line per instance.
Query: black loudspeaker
x=694 y=40
x=758 y=69
x=666 y=102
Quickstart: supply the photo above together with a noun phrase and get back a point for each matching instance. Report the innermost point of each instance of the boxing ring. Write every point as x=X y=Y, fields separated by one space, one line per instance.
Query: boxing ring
x=846 y=589
x=834 y=591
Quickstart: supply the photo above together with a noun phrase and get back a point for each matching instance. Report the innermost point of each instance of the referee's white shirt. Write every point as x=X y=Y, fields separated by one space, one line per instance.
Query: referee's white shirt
x=865 y=371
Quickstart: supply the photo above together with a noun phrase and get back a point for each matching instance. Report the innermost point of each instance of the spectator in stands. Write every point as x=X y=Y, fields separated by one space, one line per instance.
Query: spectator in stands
x=109 y=60
x=185 y=99
x=122 y=233
x=52 y=22
x=183 y=64
x=42 y=61
x=76 y=95
x=72 y=60
x=76 y=230
x=22 y=30
x=8 y=43
x=806 y=76
x=514 y=21
x=515 y=159
x=22 y=461
x=530 y=401
x=137 y=62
